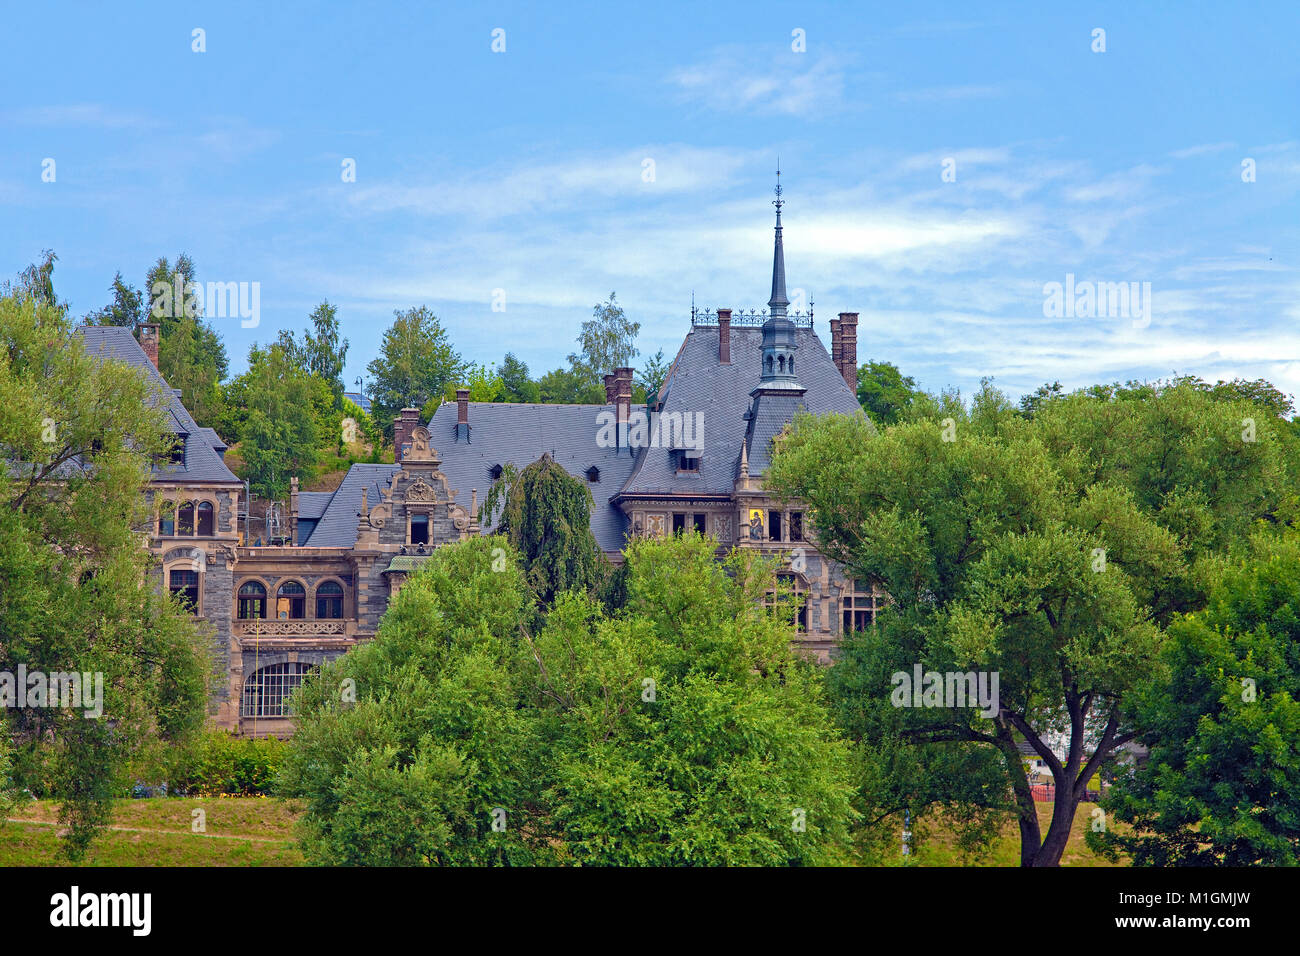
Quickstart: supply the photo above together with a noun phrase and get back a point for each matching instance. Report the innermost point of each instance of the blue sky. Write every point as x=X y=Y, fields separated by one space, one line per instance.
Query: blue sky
x=523 y=171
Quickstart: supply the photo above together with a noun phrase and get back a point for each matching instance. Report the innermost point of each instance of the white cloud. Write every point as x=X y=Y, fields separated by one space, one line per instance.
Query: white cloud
x=740 y=80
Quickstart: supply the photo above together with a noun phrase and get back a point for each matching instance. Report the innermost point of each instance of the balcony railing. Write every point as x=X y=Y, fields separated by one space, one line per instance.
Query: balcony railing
x=301 y=627
x=753 y=319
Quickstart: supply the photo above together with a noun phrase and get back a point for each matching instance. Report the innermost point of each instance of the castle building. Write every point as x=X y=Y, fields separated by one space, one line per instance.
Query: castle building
x=693 y=458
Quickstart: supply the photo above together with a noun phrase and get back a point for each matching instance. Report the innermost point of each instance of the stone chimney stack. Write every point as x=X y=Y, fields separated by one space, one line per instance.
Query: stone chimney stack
x=403 y=425
x=610 y=389
x=724 y=336
x=293 y=509
x=848 y=352
x=622 y=402
x=462 y=415
x=149 y=332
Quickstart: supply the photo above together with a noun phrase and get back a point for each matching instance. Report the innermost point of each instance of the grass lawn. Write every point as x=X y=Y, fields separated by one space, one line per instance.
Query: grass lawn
x=157 y=832
x=247 y=831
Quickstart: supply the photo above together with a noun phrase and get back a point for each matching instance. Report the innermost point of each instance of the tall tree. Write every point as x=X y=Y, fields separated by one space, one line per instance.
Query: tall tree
x=280 y=412
x=546 y=515
x=885 y=392
x=516 y=384
x=654 y=372
x=323 y=353
x=416 y=363
x=191 y=355
x=568 y=387
x=685 y=731
x=607 y=342
x=1221 y=785
x=126 y=310
x=1049 y=551
x=77 y=434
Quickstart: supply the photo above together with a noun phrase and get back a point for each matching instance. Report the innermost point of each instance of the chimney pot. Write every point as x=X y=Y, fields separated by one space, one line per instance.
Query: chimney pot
x=724 y=336
x=462 y=414
x=848 y=352
x=149 y=332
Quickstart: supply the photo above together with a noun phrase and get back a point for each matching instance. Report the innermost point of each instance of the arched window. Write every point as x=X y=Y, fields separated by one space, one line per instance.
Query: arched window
x=167 y=518
x=860 y=606
x=769 y=365
x=291 y=601
x=266 y=691
x=789 y=598
x=252 y=600
x=790 y=365
x=185 y=518
x=329 y=600
x=207 y=519
x=185 y=585
x=780 y=364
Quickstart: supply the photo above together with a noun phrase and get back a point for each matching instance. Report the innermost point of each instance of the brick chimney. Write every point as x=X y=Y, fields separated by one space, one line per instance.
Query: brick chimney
x=609 y=389
x=622 y=402
x=293 y=509
x=149 y=340
x=403 y=425
x=724 y=336
x=848 y=353
x=836 y=341
x=462 y=415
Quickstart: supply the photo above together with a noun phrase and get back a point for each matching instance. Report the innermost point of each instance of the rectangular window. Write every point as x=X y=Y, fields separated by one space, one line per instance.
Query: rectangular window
x=185 y=585
x=774 y=525
x=687 y=463
x=700 y=524
x=679 y=523
x=419 y=529
x=796 y=525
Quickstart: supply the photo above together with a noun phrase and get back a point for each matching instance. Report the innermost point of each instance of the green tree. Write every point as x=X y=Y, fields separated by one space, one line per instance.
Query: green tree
x=654 y=372
x=567 y=387
x=683 y=732
x=1029 y=404
x=1221 y=786
x=281 y=413
x=885 y=392
x=483 y=382
x=1050 y=551
x=517 y=386
x=546 y=515
x=191 y=355
x=606 y=342
x=126 y=310
x=323 y=353
x=416 y=363
x=78 y=434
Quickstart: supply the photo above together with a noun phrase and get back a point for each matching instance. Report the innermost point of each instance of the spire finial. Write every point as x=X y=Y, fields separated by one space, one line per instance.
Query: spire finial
x=778 y=302
x=778 y=202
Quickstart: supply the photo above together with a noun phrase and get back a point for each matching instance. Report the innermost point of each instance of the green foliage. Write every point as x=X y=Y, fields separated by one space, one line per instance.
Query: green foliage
x=1050 y=550
x=191 y=355
x=416 y=363
x=483 y=382
x=654 y=372
x=606 y=342
x=126 y=309
x=323 y=354
x=1221 y=786
x=569 y=387
x=885 y=392
x=516 y=385
x=80 y=432
x=546 y=515
x=460 y=711
x=215 y=762
x=281 y=413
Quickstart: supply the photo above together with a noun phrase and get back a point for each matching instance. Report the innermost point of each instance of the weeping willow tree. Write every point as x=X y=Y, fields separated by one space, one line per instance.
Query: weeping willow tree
x=546 y=515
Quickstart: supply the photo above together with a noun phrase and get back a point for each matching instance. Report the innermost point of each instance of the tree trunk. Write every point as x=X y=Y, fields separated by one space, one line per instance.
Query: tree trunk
x=1058 y=834
x=1026 y=812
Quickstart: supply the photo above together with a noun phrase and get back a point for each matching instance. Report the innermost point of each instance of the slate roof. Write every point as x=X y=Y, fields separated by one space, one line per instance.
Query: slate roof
x=337 y=527
x=312 y=504
x=202 y=448
x=698 y=382
x=509 y=433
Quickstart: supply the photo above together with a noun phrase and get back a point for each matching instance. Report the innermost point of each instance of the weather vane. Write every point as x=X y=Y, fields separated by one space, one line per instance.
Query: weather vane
x=778 y=202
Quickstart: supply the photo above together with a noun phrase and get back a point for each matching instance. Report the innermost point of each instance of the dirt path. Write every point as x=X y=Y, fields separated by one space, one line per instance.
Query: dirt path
x=210 y=836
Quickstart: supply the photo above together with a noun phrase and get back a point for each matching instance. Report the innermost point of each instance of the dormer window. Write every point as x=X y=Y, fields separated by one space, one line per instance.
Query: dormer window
x=687 y=461
x=495 y=472
x=593 y=474
x=178 y=449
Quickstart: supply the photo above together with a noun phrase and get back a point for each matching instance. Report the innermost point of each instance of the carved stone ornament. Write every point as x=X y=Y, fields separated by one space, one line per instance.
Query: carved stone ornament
x=421 y=490
x=378 y=515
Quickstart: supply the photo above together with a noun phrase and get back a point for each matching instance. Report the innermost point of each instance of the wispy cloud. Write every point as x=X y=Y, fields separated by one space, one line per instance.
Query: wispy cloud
x=1201 y=150
x=746 y=80
x=948 y=94
x=79 y=116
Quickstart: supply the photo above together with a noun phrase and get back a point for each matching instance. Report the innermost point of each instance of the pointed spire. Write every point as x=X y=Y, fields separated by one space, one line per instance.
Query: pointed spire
x=744 y=458
x=778 y=302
